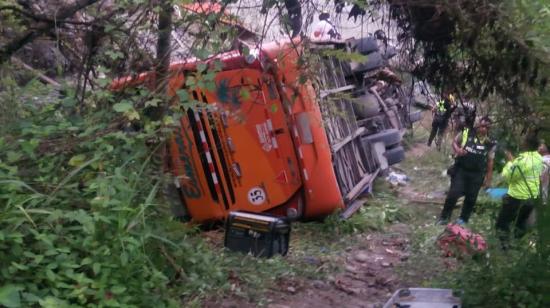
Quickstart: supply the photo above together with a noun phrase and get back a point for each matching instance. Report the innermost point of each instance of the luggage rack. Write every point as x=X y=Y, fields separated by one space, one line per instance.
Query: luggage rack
x=354 y=165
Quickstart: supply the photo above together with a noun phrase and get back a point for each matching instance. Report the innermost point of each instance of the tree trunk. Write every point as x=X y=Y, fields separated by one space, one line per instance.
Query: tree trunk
x=162 y=74
x=164 y=50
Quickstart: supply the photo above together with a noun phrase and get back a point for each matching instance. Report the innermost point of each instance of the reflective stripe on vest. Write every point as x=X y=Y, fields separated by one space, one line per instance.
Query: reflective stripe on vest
x=464 y=137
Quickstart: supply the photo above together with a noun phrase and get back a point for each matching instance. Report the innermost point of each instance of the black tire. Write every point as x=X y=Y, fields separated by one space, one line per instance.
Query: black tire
x=390 y=137
x=374 y=61
x=366 y=106
x=395 y=155
x=415 y=116
x=366 y=45
x=371 y=159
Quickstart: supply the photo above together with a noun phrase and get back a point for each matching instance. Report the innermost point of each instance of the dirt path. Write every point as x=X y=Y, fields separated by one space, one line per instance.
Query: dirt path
x=371 y=273
x=369 y=276
x=368 y=280
x=373 y=265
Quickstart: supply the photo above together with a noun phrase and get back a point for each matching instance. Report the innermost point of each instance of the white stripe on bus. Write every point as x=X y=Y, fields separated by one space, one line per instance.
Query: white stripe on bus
x=208 y=157
x=203 y=136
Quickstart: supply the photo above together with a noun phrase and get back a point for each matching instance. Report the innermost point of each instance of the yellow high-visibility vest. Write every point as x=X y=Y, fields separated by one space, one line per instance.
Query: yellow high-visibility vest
x=523 y=175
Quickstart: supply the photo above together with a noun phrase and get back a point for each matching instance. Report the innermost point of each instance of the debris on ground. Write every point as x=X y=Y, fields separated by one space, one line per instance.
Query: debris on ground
x=457 y=240
x=433 y=197
x=397 y=179
x=361 y=257
x=370 y=266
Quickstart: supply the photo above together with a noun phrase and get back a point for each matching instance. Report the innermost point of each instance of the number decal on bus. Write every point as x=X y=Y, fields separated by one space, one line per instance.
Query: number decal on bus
x=256 y=196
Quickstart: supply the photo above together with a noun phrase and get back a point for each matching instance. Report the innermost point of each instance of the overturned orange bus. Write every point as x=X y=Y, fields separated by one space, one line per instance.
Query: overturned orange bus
x=268 y=140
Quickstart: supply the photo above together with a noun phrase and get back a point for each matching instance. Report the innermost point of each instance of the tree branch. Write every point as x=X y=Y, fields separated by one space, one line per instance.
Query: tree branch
x=17 y=43
x=40 y=76
x=41 y=18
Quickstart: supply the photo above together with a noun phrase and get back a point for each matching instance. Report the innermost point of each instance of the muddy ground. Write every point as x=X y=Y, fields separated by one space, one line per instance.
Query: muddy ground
x=373 y=264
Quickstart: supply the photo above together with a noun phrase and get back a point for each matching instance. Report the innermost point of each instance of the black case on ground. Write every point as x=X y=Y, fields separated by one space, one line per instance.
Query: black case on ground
x=261 y=235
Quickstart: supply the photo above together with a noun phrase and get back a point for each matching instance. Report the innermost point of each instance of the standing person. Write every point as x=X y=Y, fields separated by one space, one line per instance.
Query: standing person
x=523 y=177
x=441 y=114
x=473 y=167
x=324 y=30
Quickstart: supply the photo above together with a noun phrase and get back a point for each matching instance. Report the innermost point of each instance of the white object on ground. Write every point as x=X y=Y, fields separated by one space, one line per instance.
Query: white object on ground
x=396 y=178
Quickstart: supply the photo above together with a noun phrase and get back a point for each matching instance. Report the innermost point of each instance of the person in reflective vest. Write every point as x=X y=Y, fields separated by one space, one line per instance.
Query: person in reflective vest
x=441 y=111
x=473 y=167
x=523 y=175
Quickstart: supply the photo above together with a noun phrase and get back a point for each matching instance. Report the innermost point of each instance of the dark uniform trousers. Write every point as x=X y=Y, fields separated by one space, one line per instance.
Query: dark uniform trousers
x=439 y=125
x=514 y=211
x=463 y=183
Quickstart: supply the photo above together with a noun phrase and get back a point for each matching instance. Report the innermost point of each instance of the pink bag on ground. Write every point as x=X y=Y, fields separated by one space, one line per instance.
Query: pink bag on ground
x=457 y=239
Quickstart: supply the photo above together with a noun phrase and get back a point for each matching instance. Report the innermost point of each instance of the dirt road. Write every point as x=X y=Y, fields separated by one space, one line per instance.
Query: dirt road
x=372 y=264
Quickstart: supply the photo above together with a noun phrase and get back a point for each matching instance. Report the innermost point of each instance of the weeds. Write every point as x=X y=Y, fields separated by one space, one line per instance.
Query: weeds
x=80 y=224
x=516 y=277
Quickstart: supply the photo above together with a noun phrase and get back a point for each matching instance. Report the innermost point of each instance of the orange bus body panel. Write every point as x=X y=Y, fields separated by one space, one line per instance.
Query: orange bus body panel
x=322 y=193
x=244 y=151
x=248 y=142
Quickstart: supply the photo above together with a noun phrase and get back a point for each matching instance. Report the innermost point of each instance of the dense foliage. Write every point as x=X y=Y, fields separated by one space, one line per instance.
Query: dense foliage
x=80 y=220
x=493 y=51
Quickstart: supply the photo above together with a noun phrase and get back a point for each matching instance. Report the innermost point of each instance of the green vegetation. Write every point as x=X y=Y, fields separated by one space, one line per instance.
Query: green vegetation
x=518 y=277
x=81 y=222
x=514 y=278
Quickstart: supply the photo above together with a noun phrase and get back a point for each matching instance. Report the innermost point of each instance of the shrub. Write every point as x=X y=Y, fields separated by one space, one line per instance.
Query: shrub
x=80 y=220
